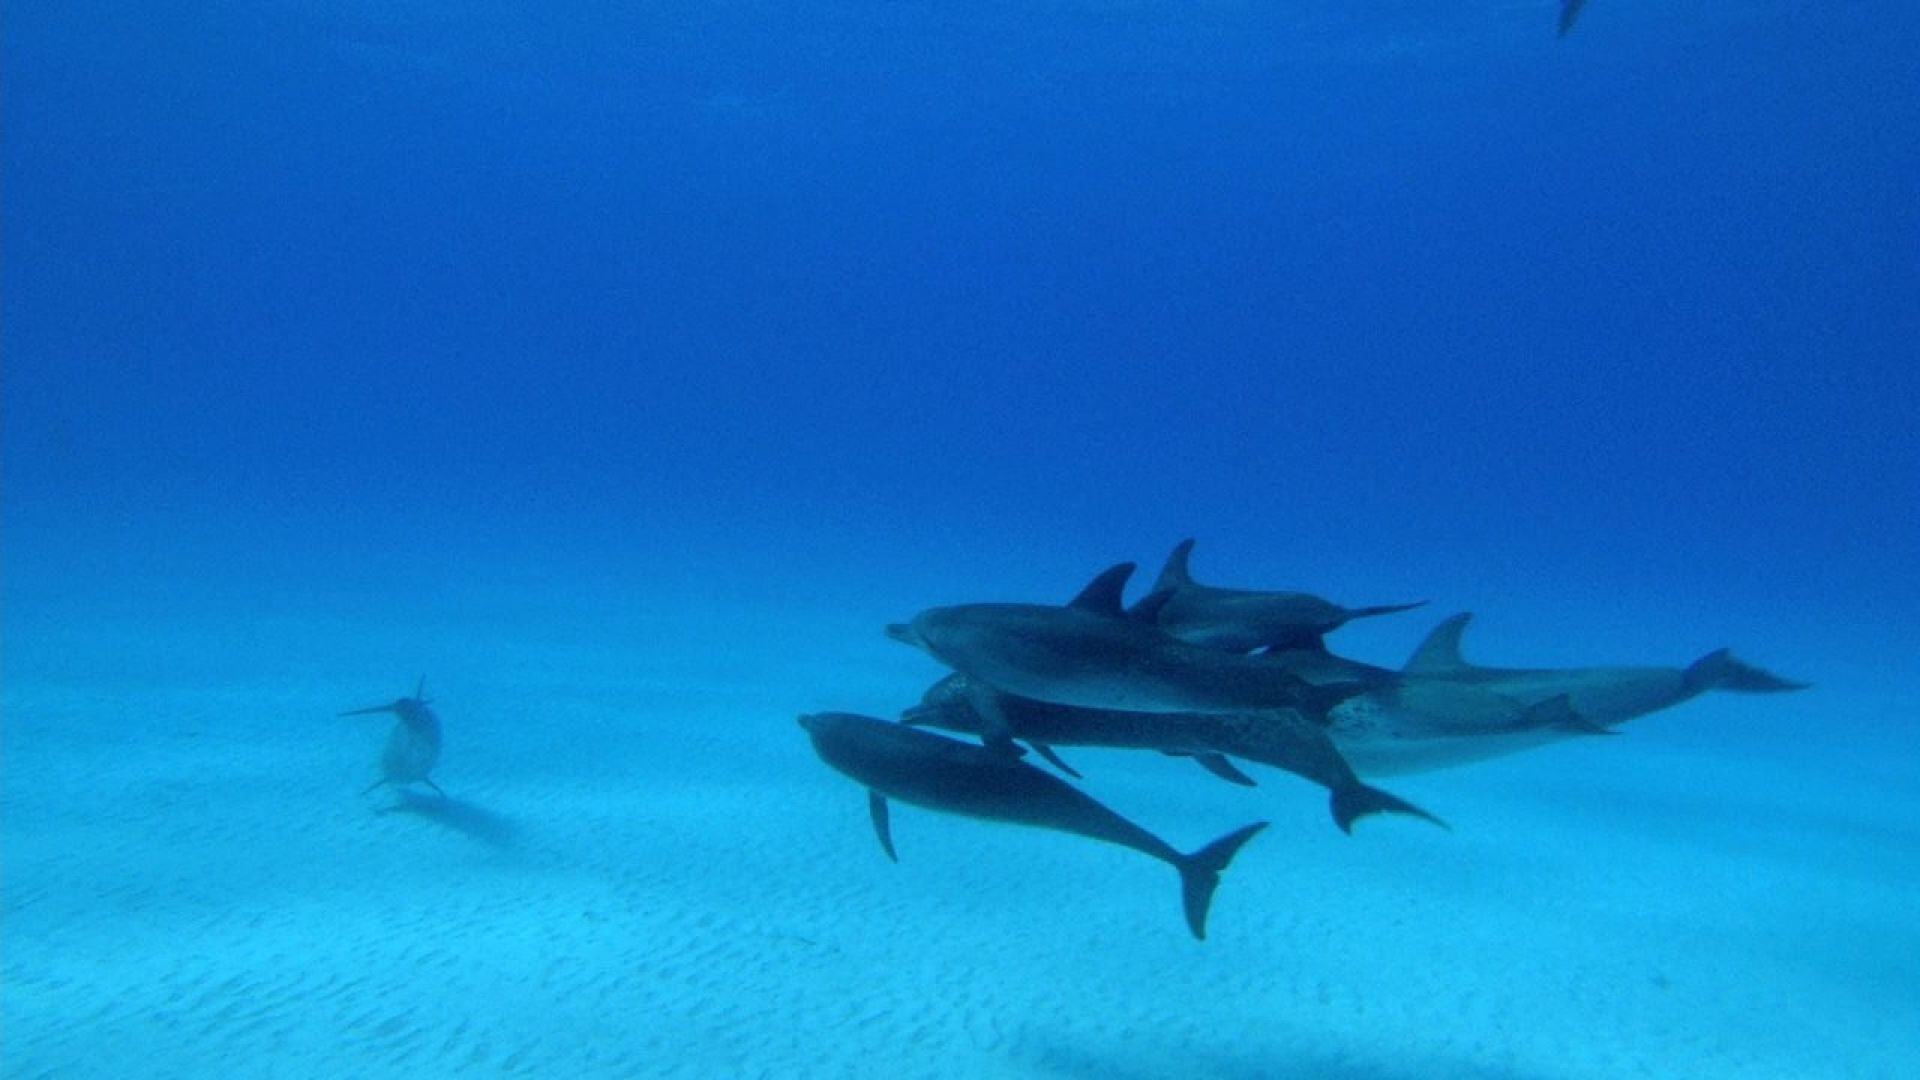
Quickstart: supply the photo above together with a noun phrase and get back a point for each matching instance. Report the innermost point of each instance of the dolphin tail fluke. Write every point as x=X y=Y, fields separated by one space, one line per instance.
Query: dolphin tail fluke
x=1357 y=800
x=1200 y=875
x=1721 y=670
x=1569 y=14
x=882 y=822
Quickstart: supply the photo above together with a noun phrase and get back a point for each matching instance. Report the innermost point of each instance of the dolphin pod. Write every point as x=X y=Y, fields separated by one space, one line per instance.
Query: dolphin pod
x=1218 y=675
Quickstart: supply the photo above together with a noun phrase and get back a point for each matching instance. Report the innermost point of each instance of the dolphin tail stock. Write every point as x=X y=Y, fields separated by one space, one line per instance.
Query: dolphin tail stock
x=1200 y=874
x=1356 y=800
x=1721 y=670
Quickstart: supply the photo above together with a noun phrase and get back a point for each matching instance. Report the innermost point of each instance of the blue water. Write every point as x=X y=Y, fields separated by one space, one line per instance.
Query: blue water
x=658 y=355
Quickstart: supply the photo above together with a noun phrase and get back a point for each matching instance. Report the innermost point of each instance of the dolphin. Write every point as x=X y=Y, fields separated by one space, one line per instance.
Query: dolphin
x=413 y=746
x=1093 y=655
x=1241 y=620
x=947 y=775
x=1605 y=695
x=1281 y=738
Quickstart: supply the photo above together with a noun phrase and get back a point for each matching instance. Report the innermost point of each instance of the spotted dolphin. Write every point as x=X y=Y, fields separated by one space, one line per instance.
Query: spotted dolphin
x=1092 y=654
x=1605 y=695
x=894 y=761
x=1242 y=620
x=413 y=746
x=1282 y=738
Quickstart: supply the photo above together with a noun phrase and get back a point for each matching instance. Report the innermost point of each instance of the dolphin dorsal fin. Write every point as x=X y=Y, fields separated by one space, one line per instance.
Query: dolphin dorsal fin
x=1439 y=654
x=1175 y=575
x=1102 y=594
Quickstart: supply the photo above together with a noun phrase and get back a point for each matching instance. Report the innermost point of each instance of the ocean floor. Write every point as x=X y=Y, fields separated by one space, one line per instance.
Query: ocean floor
x=641 y=869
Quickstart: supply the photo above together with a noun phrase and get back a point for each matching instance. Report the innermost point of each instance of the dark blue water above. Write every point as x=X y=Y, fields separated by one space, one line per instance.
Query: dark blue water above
x=1381 y=277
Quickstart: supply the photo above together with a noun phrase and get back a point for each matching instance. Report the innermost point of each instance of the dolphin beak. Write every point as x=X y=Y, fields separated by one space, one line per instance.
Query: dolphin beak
x=808 y=722
x=915 y=715
x=369 y=711
x=902 y=633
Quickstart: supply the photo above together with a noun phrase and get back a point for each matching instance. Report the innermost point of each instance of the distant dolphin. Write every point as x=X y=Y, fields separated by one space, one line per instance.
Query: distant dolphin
x=1092 y=654
x=1569 y=14
x=413 y=746
x=1605 y=695
x=1283 y=739
x=1242 y=620
x=938 y=773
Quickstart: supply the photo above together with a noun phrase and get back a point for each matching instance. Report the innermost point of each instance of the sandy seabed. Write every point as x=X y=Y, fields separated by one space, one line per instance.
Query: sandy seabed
x=643 y=871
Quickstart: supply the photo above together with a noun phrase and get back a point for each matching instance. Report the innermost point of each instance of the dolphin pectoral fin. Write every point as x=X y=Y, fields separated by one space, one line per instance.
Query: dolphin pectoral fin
x=882 y=822
x=368 y=711
x=1382 y=609
x=1200 y=875
x=1721 y=670
x=995 y=729
x=1439 y=653
x=1053 y=759
x=1356 y=800
x=1557 y=714
x=1223 y=767
x=1103 y=594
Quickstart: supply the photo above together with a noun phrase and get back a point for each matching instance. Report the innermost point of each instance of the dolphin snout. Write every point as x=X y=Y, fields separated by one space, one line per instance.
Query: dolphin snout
x=903 y=633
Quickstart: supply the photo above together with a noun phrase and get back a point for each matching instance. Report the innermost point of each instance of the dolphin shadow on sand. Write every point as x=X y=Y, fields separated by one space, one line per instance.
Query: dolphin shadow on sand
x=456 y=815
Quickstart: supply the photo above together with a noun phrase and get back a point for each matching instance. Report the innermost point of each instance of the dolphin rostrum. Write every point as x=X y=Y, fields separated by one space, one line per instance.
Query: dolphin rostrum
x=1093 y=655
x=937 y=773
x=1281 y=738
x=1242 y=620
x=413 y=746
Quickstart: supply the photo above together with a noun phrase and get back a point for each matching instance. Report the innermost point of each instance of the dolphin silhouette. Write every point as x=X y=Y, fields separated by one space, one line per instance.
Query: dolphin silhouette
x=1242 y=620
x=1281 y=738
x=1092 y=654
x=413 y=746
x=1605 y=695
x=937 y=773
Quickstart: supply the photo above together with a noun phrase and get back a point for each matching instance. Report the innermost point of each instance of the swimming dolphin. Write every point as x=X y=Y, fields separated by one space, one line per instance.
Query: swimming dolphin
x=1092 y=654
x=413 y=746
x=938 y=773
x=1605 y=695
x=1282 y=738
x=1241 y=620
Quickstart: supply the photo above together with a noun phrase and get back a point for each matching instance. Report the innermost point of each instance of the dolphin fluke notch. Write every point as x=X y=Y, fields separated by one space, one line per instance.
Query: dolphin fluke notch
x=1721 y=670
x=1569 y=14
x=1357 y=800
x=1200 y=875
